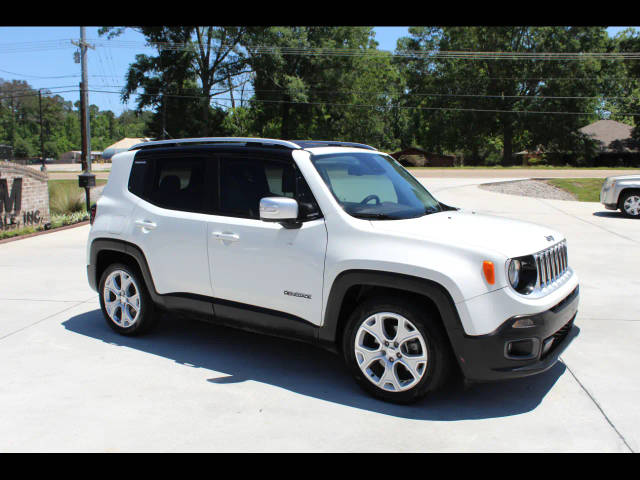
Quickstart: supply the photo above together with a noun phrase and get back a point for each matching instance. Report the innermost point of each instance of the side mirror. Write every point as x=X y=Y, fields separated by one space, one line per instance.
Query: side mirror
x=280 y=209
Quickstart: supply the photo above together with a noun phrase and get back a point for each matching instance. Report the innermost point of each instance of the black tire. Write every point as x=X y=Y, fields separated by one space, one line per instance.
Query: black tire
x=147 y=315
x=623 y=199
x=439 y=358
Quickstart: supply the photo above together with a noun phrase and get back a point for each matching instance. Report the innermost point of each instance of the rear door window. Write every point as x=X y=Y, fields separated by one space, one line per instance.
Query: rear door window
x=179 y=184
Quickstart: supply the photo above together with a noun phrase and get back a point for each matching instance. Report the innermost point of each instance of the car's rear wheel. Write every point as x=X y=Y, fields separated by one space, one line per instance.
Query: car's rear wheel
x=630 y=204
x=395 y=350
x=124 y=300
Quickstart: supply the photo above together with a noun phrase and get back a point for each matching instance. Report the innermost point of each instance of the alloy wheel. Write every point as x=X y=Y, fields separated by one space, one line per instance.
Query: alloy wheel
x=390 y=352
x=121 y=298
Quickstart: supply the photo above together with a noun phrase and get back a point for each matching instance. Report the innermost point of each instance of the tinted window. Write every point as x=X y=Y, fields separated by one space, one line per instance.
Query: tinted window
x=137 y=177
x=245 y=181
x=178 y=184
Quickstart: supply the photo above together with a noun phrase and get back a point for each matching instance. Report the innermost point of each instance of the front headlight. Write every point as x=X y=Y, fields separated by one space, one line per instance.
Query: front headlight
x=513 y=272
x=522 y=274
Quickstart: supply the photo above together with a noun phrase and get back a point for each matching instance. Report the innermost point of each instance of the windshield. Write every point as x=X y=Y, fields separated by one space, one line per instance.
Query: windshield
x=374 y=186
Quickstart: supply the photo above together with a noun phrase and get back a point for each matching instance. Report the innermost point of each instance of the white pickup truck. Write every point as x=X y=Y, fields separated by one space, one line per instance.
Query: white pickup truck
x=623 y=193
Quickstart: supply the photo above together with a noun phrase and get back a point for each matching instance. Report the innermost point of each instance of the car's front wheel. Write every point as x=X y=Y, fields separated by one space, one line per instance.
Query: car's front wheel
x=395 y=350
x=124 y=300
x=630 y=204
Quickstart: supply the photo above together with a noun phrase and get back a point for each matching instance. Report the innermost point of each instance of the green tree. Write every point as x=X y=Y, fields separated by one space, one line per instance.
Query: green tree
x=453 y=120
x=192 y=66
x=323 y=96
x=20 y=122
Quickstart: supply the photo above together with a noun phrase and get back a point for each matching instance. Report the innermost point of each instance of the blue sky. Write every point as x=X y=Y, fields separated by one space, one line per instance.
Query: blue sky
x=107 y=64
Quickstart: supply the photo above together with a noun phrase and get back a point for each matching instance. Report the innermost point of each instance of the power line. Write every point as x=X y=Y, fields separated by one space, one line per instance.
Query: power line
x=416 y=94
x=38 y=76
x=36 y=94
x=35 y=46
x=388 y=106
x=342 y=51
x=450 y=54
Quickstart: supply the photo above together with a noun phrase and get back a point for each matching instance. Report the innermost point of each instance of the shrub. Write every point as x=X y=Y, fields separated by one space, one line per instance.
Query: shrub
x=59 y=220
x=65 y=197
x=17 y=232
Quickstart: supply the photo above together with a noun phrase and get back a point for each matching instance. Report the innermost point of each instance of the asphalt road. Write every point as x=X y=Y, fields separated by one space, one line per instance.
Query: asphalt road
x=71 y=384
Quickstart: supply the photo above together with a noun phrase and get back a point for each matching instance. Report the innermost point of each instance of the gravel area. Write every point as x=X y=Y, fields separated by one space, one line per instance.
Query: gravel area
x=529 y=188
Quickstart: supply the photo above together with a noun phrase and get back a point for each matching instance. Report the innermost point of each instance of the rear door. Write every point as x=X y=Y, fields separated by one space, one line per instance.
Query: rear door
x=170 y=223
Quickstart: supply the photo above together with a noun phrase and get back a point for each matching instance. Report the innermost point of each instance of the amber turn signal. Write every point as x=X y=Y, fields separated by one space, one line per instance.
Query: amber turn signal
x=489 y=272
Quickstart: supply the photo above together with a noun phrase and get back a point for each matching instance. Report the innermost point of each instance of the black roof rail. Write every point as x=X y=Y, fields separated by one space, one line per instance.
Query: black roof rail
x=215 y=140
x=330 y=143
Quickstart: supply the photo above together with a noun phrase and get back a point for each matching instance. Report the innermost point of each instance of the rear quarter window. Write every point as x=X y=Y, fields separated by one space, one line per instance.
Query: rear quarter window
x=137 y=177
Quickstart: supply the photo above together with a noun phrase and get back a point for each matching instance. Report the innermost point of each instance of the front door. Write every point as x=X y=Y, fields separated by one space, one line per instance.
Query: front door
x=261 y=264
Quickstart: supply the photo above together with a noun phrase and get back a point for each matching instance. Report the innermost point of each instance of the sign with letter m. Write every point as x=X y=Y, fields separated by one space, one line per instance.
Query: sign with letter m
x=10 y=201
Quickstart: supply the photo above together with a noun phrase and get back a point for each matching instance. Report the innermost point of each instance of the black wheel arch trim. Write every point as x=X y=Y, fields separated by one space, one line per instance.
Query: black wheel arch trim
x=622 y=194
x=374 y=278
x=106 y=244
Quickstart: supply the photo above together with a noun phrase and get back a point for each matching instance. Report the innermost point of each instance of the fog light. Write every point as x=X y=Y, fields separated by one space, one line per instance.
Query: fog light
x=520 y=348
x=523 y=323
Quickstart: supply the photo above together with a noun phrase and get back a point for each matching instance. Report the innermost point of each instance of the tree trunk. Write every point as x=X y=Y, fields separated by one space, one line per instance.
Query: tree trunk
x=206 y=91
x=233 y=103
x=507 y=143
x=284 y=130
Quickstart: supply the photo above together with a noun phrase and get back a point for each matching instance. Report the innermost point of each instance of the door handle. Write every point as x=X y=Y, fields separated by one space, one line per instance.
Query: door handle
x=226 y=236
x=146 y=224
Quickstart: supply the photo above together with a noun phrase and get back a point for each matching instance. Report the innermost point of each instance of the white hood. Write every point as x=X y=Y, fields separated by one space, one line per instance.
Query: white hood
x=512 y=238
x=624 y=177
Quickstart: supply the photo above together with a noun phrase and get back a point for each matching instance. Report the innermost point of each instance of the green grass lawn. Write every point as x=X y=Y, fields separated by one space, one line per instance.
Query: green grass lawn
x=584 y=189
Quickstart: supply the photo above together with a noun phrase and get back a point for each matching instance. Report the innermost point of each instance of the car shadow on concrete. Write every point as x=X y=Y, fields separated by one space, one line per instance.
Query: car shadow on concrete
x=612 y=214
x=311 y=371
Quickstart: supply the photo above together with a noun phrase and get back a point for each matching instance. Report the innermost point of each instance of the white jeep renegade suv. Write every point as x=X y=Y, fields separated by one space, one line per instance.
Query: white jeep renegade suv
x=335 y=244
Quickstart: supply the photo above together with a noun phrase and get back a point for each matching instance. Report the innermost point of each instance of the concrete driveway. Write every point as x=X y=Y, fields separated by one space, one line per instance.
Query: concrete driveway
x=70 y=384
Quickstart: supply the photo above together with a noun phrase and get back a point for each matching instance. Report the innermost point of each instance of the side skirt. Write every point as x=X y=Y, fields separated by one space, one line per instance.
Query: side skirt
x=242 y=316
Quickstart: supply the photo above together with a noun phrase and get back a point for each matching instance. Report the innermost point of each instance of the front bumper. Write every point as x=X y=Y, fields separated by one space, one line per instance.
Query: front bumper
x=487 y=357
x=609 y=197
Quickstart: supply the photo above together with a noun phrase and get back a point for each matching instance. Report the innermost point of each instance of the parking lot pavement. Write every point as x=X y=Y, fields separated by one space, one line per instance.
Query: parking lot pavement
x=603 y=249
x=71 y=384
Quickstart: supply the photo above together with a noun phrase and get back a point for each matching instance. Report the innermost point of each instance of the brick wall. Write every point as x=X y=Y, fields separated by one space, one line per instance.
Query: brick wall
x=24 y=197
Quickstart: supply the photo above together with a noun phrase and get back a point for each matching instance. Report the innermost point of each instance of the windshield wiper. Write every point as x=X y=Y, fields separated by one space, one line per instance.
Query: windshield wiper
x=375 y=216
x=428 y=211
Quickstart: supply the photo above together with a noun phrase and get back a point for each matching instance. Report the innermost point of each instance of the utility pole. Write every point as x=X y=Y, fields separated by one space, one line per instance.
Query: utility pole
x=44 y=166
x=86 y=179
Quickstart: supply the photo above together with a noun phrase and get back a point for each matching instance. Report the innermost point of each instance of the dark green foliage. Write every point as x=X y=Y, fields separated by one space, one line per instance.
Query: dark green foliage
x=20 y=122
x=476 y=132
x=219 y=81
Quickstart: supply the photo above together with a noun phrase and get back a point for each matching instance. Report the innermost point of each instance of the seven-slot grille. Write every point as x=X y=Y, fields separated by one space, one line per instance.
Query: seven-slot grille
x=551 y=263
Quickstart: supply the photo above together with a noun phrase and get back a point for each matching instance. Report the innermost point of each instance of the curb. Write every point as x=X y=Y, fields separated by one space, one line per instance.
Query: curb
x=44 y=232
